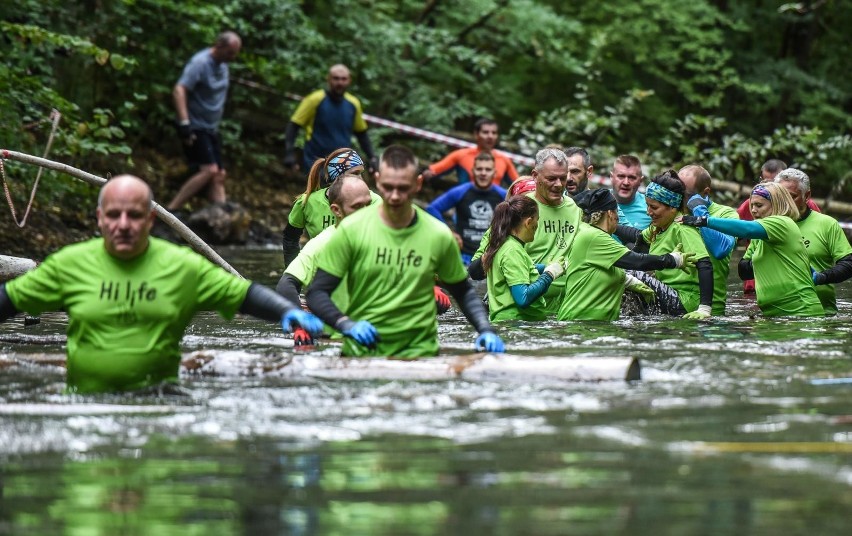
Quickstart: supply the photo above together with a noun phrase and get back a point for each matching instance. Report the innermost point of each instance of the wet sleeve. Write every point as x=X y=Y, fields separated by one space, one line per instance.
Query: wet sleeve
x=475 y=271
x=470 y=304
x=627 y=234
x=705 y=281
x=319 y=298
x=718 y=244
x=740 y=228
x=642 y=261
x=290 y=243
x=289 y=287
x=524 y=295
x=264 y=303
x=838 y=273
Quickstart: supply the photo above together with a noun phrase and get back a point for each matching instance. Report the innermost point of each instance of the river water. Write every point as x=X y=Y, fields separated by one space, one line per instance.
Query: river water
x=733 y=429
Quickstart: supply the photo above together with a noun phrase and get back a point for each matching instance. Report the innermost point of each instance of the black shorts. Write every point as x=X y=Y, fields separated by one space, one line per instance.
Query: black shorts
x=205 y=150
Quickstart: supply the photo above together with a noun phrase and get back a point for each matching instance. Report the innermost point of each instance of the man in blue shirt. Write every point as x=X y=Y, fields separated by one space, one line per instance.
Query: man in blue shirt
x=626 y=178
x=474 y=203
x=329 y=116
x=199 y=98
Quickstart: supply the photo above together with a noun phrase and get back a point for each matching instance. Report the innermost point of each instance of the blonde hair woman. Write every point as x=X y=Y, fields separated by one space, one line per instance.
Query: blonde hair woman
x=776 y=258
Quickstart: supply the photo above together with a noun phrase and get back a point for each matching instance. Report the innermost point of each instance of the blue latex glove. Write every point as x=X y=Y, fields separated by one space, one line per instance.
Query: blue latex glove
x=298 y=318
x=361 y=332
x=489 y=342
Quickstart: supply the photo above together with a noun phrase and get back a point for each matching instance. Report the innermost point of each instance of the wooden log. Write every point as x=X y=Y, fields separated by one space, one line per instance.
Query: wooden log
x=12 y=267
x=473 y=367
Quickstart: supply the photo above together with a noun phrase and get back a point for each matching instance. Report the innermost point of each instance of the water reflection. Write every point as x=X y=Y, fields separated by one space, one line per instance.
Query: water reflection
x=251 y=448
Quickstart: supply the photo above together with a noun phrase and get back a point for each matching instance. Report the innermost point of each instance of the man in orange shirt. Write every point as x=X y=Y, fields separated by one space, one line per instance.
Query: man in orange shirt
x=461 y=160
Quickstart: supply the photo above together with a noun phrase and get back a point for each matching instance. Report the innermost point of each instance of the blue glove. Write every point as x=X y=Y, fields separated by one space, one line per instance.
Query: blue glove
x=361 y=332
x=298 y=318
x=489 y=342
x=539 y=268
x=698 y=205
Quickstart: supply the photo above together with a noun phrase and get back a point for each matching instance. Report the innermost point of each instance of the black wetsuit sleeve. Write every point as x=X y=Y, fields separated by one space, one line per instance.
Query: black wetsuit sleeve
x=319 y=298
x=745 y=269
x=289 y=287
x=838 y=273
x=470 y=304
x=641 y=261
x=705 y=281
x=290 y=139
x=628 y=234
x=7 y=308
x=290 y=243
x=264 y=303
x=475 y=271
x=366 y=145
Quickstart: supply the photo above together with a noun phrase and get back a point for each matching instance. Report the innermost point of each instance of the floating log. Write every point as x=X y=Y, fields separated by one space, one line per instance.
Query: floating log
x=472 y=367
x=12 y=267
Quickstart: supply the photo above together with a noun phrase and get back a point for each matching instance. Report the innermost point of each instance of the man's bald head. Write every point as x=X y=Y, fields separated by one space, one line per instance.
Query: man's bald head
x=338 y=79
x=696 y=179
x=348 y=194
x=125 y=216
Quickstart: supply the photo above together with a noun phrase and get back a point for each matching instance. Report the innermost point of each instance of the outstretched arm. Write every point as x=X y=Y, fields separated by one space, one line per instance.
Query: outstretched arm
x=743 y=229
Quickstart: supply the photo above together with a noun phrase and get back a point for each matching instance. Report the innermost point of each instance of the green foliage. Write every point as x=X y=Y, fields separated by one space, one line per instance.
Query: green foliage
x=725 y=83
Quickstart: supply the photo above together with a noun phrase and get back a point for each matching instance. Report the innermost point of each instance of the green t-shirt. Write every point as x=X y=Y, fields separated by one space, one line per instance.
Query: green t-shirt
x=721 y=267
x=782 y=273
x=304 y=266
x=684 y=283
x=594 y=287
x=126 y=318
x=316 y=214
x=557 y=227
x=512 y=266
x=825 y=244
x=391 y=274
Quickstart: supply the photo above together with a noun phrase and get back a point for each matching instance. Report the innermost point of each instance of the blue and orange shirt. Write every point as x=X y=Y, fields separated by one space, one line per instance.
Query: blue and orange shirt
x=461 y=161
x=329 y=123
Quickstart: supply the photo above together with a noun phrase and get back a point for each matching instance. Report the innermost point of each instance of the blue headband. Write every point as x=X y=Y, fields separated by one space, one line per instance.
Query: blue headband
x=762 y=191
x=662 y=194
x=341 y=163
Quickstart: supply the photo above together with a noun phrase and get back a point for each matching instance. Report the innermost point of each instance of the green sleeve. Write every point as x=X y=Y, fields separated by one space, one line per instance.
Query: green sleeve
x=297 y=213
x=336 y=256
x=483 y=243
x=217 y=289
x=38 y=290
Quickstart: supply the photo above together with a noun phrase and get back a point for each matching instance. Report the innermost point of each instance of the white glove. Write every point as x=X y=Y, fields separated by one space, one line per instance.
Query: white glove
x=633 y=284
x=703 y=311
x=555 y=269
x=684 y=261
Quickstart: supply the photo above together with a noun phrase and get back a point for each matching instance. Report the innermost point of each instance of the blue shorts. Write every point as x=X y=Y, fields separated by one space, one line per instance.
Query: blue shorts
x=205 y=150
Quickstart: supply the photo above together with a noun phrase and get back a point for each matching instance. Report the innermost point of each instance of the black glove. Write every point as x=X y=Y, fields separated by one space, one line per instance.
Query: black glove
x=290 y=161
x=694 y=221
x=373 y=166
x=185 y=133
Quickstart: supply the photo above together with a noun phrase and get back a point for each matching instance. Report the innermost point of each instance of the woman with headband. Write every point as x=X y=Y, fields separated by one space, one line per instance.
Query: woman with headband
x=522 y=185
x=596 y=277
x=684 y=293
x=311 y=211
x=776 y=258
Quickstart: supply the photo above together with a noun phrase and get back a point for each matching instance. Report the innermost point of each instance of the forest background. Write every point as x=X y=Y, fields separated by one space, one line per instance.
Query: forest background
x=726 y=84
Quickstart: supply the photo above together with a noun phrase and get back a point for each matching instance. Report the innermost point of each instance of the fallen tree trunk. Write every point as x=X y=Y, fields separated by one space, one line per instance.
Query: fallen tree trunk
x=167 y=217
x=12 y=267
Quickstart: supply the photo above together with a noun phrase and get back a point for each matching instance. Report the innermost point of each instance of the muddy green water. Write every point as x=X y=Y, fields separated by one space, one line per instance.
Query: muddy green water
x=727 y=433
